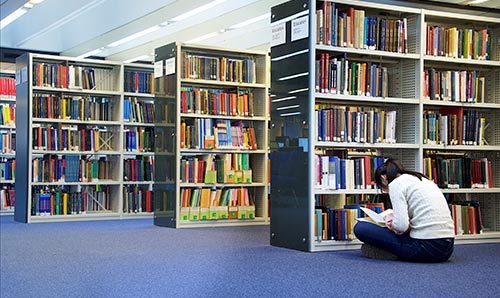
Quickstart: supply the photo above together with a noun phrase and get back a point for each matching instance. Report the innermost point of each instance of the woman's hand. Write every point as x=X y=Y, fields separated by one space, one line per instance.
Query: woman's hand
x=388 y=223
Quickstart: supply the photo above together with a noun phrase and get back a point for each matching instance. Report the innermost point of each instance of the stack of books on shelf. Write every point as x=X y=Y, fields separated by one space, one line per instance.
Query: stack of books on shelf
x=338 y=223
x=7 y=142
x=56 y=75
x=355 y=124
x=455 y=42
x=458 y=172
x=355 y=28
x=334 y=173
x=70 y=200
x=216 y=204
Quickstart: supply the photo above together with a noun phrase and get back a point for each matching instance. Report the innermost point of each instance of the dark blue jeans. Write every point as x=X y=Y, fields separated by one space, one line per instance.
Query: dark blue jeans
x=403 y=246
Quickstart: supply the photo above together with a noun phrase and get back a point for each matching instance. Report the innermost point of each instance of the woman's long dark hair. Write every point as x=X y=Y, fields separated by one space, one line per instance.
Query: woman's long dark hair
x=392 y=168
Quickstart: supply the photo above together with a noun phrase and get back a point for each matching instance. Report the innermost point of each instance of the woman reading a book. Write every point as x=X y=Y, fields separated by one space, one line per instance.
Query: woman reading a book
x=420 y=227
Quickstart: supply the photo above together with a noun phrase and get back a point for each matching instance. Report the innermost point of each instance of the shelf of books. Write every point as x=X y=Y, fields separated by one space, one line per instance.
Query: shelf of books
x=212 y=106
x=81 y=155
x=461 y=111
x=349 y=87
x=7 y=141
x=138 y=139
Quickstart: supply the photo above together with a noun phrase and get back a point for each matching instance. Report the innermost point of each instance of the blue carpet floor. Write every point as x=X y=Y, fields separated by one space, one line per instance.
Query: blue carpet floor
x=134 y=258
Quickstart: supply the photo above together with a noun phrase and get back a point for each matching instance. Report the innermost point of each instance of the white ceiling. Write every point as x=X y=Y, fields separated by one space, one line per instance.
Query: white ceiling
x=75 y=27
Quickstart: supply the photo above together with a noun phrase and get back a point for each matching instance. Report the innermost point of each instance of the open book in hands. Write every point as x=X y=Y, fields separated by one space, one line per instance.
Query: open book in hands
x=374 y=217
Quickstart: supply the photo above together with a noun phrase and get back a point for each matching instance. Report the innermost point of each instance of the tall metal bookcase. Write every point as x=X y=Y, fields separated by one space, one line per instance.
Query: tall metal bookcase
x=296 y=98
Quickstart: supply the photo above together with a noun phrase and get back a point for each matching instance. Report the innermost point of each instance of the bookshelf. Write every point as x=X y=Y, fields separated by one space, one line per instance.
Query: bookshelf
x=478 y=106
x=212 y=137
x=76 y=141
x=7 y=141
x=138 y=138
x=342 y=100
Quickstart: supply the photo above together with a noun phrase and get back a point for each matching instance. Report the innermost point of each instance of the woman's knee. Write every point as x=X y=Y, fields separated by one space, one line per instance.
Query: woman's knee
x=360 y=229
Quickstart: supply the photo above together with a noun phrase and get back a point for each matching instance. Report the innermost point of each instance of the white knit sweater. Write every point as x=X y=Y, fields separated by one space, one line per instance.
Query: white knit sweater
x=421 y=206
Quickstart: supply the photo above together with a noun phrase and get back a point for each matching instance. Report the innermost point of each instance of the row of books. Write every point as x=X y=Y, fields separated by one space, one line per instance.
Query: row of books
x=216 y=168
x=138 y=111
x=139 y=82
x=207 y=197
x=136 y=200
x=454 y=126
x=467 y=217
x=53 y=202
x=61 y=137
x=333 y=172
x=459 y=172
x=217 y=101
x=81 y=108
x=338 y=223
x=216 y=203
x=8 y=114
x=7 y=197
x=352 y=28
x=453 y=42
x=7 y=87
x=454 y=85
x=195 y=66
x=355 y=124
x=73 y=77
x=139 y=169
x=338 y=75
x=207 y=133
x=335 y=223
x=7 y=169
x=70 y=168
x=8 y=141
x=139 y=139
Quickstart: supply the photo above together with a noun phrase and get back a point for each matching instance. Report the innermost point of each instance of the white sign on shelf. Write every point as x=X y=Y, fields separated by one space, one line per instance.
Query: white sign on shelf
x=170 y=66
x=278 y=34
x=300 y=28
x=158 y=69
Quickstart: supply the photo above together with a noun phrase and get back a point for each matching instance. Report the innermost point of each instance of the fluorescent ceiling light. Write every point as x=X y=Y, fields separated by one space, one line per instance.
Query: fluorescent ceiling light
x=196 y=10
x=89 y=53
x=237 y=26
x=12 y=17
x=18 y=13
x=161 y=26
x=133 y=36
x=143 y=57
x=251 y=21
x=203 y=37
